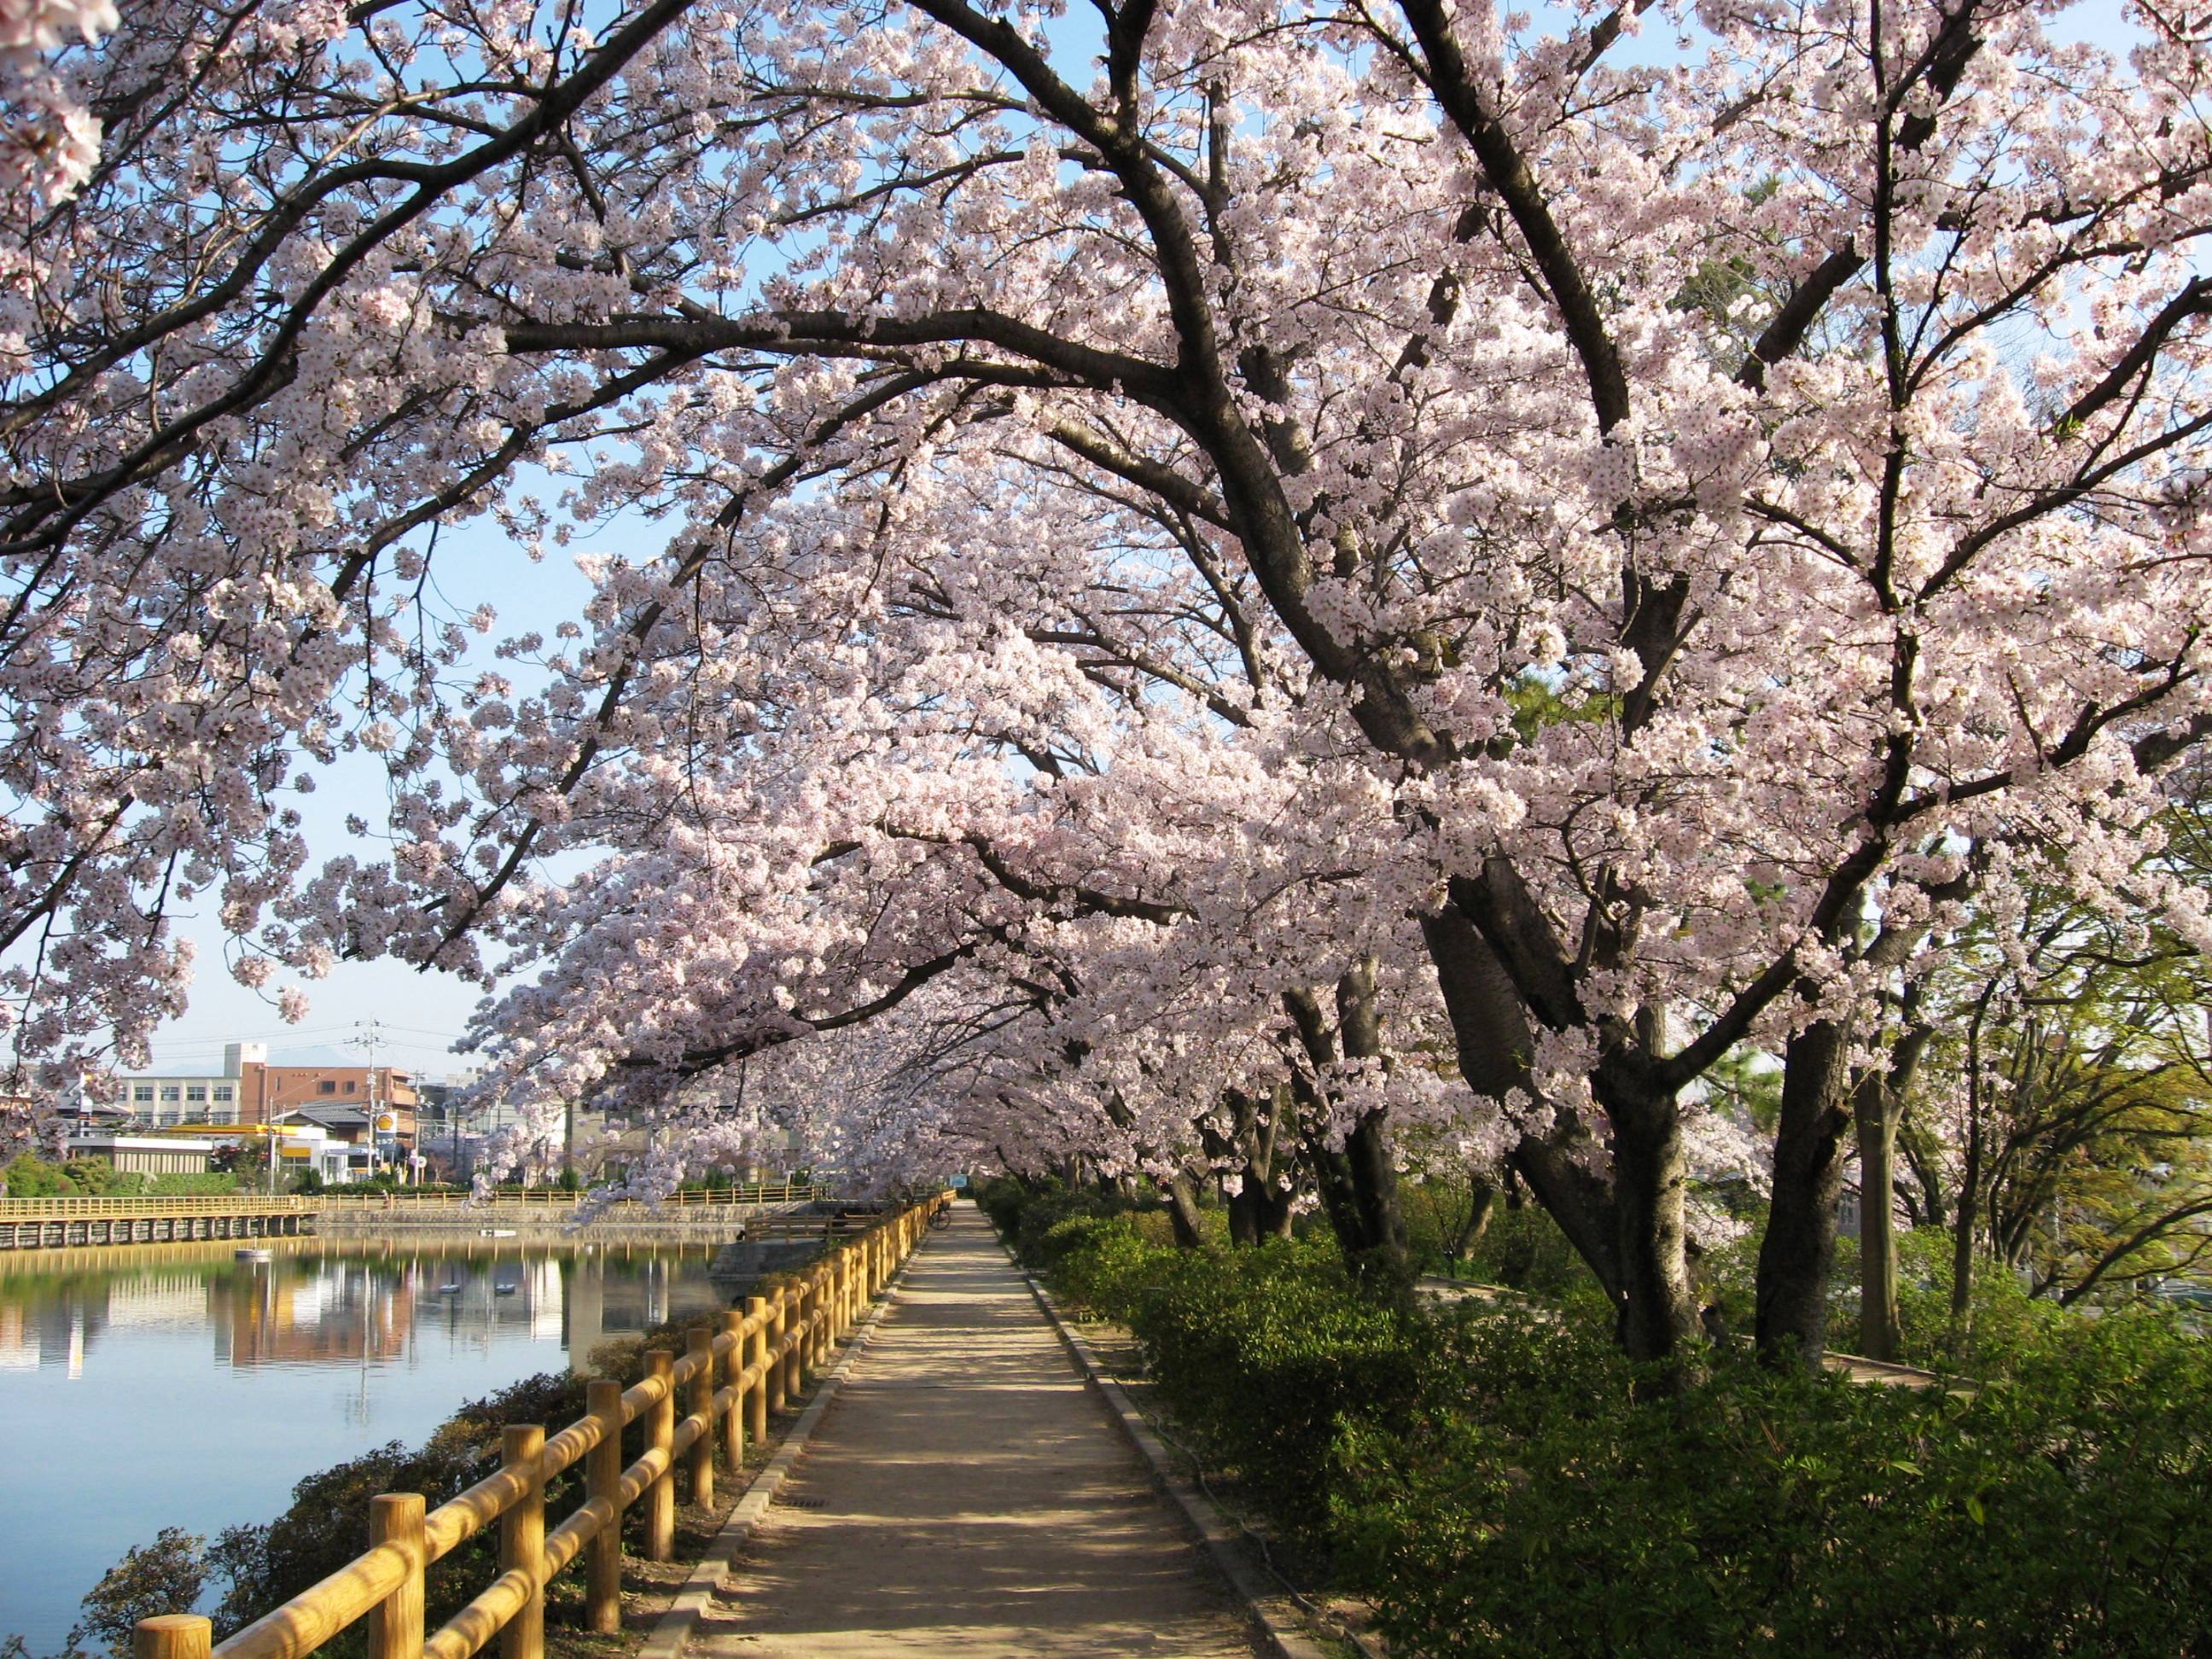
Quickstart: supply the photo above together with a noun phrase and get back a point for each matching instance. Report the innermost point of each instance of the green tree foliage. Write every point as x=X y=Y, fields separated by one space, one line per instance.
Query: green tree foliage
x=2062 y=1122
x=166 y=1575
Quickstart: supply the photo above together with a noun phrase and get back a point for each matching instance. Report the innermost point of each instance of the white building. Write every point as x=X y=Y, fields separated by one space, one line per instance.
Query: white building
x=162 y=1098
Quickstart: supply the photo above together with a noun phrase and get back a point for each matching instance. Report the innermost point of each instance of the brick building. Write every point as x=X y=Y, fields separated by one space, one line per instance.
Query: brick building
x=249 y=1090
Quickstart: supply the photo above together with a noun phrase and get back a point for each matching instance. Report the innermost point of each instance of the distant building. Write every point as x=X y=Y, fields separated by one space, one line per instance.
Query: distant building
x=250 y=1090
x=143 y=1154
x=159 y=1099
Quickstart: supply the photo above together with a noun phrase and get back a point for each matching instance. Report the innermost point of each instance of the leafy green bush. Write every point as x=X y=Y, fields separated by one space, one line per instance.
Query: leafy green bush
x=2065 y=1509
x=1492 y=1480
x=1260 y=1354
x=1002 y=1199
x=166 y=1575
x=1105 y=1263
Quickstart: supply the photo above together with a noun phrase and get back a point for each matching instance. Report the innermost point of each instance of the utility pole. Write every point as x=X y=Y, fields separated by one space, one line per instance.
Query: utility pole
x=369 y=1035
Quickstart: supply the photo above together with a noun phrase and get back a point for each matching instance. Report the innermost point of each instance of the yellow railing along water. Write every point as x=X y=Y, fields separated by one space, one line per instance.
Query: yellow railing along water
x=727 y=1382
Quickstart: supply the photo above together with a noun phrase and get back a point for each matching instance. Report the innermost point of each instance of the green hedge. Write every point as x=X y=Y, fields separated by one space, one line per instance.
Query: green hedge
x=2064 y=1510
x=1495 y=1481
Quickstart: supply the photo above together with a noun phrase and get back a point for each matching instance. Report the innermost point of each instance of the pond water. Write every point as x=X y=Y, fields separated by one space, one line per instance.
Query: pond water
x=161 y=1385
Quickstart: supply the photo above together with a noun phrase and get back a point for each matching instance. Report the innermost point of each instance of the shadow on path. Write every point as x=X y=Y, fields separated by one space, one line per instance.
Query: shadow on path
x=964 y=1494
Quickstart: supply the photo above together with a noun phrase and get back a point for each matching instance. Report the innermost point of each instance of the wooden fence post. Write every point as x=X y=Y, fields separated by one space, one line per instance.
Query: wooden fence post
x=173 y=1635
x=660 y=1434
x=818 y=1305
x=395 y=1624
x=794 y=1362
x=522 y=1540
x=603 y=1467
x=734 y=1425
x=756 y=1355
x=702 y=1406
x=777 y=1371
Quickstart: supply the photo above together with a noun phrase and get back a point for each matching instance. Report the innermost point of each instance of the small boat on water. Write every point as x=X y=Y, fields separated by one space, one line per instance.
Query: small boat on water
x=496 y=1233
x=254 y=1255
x=449 y=1289
x=505 y=1290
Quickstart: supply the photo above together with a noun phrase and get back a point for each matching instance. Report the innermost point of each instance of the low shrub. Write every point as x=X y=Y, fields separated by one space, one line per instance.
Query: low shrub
x=1262 y=1354
x=1495 y=1482
x=2064 y=1510
x=1102 y=1263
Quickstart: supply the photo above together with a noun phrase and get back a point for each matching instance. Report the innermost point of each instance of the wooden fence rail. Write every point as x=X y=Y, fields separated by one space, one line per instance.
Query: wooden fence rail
x=35 y=1209
x=71 y=1209
x=786 y=1192
x=731 y=1378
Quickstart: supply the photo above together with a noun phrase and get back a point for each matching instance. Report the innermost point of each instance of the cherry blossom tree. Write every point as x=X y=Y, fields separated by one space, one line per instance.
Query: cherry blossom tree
x=1599 y=527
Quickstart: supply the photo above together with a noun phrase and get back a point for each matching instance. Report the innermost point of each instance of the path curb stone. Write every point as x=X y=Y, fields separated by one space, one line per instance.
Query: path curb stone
x=1278 y=1616
x=675 y=1628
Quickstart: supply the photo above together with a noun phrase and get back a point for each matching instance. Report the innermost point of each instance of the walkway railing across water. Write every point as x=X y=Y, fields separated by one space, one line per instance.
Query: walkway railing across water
x=74 y=1208
x=35 y=1224
x=788 y=1192
x=728 y=1382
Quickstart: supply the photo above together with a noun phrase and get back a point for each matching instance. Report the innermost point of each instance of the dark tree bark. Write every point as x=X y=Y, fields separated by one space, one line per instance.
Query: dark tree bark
x=1358 y=1183
x=1367 y=1148
x=1970 y=1176
x=1628 y=1227
x=1880 y=1109
x=1182 y=1213
x=1799 y=1248
x=1259 y=1208
x=1481 y=1200
x=1658 y=1314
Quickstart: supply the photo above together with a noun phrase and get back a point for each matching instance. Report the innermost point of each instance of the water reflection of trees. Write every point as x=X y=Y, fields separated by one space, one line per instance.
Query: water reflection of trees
x=305 y=1308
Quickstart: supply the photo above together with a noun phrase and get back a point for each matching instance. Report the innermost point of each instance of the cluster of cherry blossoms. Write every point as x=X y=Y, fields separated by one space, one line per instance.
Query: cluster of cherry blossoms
x=1226 y=590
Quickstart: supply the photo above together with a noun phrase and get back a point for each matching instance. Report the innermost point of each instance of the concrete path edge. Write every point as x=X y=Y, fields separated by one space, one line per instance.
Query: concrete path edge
x=674 y=1628
x=1277 y=1615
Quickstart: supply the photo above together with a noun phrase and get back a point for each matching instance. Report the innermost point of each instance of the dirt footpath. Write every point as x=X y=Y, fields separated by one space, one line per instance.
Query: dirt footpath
x=965 y=1494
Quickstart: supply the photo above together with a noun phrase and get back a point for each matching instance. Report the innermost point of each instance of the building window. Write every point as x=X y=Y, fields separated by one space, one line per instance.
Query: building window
x=142 y=1094
x=196 y=1091
x=349 y=1085
x=168 y=1094
x=326 y=1087
x=224 y=1092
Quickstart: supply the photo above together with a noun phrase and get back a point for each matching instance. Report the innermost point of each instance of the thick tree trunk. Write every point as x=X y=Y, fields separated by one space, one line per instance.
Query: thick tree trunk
x=1182 y=1213
x=1368 y=1152
x=1657 y=1316
x=1358 y=1183
x=1880 y=1334
x=1970 y=1177
x=1367 y=1148
x=1881 y=1109
x=1799 y=1249
x=1481 y=1200
x=1629 y=1228
x=1260 y=1207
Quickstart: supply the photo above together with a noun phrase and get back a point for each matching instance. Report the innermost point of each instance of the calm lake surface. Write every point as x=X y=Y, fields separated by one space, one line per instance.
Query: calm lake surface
x=163 y=1385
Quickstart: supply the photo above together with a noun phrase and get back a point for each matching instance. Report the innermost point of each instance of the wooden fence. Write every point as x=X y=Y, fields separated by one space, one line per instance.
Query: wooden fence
x=786 y=1192
x=728 y=1382
x=54 y=1223
x=46 y=1223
